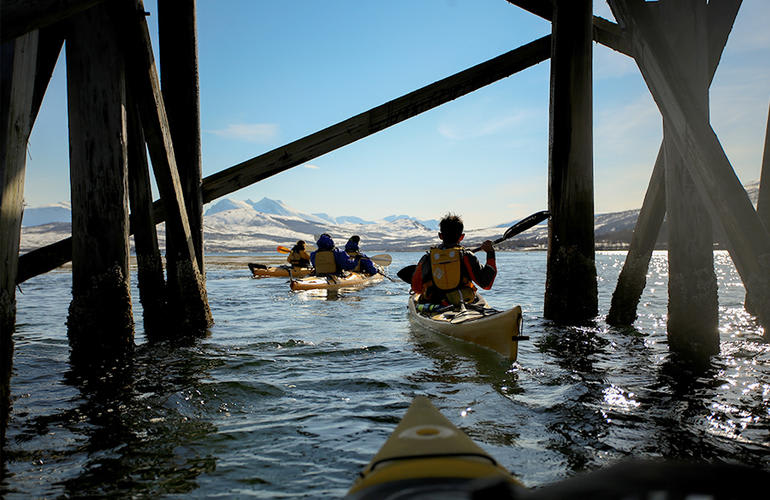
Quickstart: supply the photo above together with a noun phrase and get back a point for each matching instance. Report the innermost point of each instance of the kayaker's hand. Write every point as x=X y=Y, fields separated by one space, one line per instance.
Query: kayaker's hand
x=487 y=246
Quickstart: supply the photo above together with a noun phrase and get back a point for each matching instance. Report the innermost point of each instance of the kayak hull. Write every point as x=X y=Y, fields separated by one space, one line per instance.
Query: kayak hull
x=332 y=282
x=425 y=453
x=259 y=271
x=497 y=330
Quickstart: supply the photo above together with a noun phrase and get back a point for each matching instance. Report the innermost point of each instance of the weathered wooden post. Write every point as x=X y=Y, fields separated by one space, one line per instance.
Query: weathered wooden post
x=693 y=310
x=571 y=288
x=149 y=263
x=715 y=180
x=178 y=40
x=18 y=59
x=100 y=321
x=720 y=17
x=763 y=199
x=186 y=288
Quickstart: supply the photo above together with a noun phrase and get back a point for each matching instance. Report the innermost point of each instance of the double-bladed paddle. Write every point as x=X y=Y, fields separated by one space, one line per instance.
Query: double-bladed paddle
x=406 y=273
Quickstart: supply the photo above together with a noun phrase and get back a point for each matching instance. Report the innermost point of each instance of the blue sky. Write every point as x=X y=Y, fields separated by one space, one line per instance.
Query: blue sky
x=273 y=72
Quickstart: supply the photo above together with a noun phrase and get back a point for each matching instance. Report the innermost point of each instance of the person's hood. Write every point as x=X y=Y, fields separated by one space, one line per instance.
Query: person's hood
x=325 y=242
x=351 y=246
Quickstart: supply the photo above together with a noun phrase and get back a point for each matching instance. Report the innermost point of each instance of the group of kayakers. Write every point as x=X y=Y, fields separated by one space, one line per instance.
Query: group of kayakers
x=446 y=274
x=328 y=259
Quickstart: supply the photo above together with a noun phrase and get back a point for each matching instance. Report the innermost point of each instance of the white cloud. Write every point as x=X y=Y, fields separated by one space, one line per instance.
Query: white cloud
x=311 y=166
x=249 y=132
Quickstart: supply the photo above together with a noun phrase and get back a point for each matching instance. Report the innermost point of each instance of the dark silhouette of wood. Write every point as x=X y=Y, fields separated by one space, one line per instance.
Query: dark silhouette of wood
x=763 y=201
x=633 y=276
x=625 y=299
x=18 y=64
x=22 y=16
x=693 y=308
x=244 y=174
x=100 y=323
x=605 y=32
x=374 y=120
x=716 y=182
x=571 y=287
x=152 y=285
x=178 y=41
x=187 y=298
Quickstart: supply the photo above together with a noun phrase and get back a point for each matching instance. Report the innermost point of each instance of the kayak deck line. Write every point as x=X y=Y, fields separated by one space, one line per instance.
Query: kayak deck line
x=494 y=329
x=426 y=454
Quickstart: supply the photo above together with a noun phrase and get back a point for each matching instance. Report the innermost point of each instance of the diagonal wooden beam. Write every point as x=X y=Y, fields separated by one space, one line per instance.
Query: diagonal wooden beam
x=375 y=120
x=631 y=282
x=184 y=276
x=715 y=179
x=605 y=32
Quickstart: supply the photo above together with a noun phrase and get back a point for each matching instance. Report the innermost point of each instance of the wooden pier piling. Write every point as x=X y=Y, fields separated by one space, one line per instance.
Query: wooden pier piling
x=100 y=322
x=571 y=288
x=18 y=72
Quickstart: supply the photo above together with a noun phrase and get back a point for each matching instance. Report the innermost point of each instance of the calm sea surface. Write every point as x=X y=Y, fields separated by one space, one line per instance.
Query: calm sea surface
x=292 y=393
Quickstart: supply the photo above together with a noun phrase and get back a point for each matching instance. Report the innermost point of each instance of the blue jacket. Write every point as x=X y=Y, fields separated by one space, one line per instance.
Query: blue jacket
x=342 y=259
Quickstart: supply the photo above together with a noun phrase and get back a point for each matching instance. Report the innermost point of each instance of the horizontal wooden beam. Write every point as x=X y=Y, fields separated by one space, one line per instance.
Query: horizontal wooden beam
x=50 y=257
x=22 y=16
x=605 y=32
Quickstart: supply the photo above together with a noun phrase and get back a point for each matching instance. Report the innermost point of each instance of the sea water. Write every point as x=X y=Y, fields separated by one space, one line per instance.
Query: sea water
x=290 y=394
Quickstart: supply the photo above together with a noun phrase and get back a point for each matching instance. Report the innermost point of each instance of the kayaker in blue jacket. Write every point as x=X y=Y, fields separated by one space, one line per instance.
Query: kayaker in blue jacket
x=365 y=265
x=446 y=274
x=329 y=259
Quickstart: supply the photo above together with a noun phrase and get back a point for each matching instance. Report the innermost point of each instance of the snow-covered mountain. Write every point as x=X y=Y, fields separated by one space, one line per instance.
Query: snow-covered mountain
x=233 y=226
x=58 y=212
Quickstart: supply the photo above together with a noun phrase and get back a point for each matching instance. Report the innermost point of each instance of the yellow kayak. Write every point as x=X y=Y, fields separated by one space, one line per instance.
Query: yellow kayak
x=479 y=323
x=426 y=455
x=263 y=271
x=334 y=282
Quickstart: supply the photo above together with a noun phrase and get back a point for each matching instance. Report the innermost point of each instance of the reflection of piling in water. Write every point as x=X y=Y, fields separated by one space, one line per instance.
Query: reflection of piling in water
x=116 y=106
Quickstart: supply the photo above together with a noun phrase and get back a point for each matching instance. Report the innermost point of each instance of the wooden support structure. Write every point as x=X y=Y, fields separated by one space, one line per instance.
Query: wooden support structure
x=18 y=68
x=186 y=288
x=319 y=143
x=22 y=16
x=571 y=287
x=713 y=176
x=100 y=322
x=763 y=199
x=693 y=309
x=720 y=16
x=178 y=40
x=633 y=276
x=152 y=285
x=604 y=32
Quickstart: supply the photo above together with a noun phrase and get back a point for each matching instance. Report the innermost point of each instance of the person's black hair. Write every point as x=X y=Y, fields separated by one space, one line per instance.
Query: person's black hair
x=451 y=227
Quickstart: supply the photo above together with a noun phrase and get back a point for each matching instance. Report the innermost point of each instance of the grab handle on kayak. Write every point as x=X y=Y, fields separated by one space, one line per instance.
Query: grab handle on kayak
x=427 y=456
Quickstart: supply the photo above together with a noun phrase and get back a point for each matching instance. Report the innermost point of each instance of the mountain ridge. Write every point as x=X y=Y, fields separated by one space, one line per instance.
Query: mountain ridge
x=235 y=226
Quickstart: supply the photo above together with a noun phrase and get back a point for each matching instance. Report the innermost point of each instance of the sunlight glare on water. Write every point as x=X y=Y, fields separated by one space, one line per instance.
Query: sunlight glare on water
x=291 y=394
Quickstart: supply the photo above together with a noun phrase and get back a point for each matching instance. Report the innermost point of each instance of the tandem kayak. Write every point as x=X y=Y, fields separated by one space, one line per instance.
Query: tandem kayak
x=334 y=282
x=479 y=323
x=426 y=456
x=263 y=271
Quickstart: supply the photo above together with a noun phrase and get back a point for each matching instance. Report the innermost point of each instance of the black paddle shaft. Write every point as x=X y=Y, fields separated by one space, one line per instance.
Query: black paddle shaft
x=406 y=273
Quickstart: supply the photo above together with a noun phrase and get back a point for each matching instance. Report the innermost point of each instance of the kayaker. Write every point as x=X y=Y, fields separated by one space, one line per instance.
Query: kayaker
x=329 y=259
x=447 y=273
x=299 y=257
x=365 y=265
